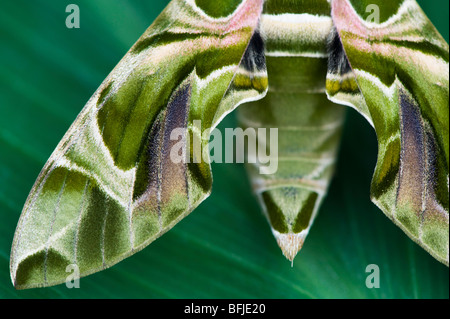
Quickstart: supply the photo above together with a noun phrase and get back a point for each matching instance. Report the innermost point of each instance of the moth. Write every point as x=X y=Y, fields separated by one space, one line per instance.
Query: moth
x=110 y=187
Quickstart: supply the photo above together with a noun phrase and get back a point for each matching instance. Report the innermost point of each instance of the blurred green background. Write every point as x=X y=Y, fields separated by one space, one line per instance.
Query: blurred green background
x=224 y=249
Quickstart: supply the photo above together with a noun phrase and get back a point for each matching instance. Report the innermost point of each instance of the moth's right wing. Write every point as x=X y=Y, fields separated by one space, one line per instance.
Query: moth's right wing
x=395 y=72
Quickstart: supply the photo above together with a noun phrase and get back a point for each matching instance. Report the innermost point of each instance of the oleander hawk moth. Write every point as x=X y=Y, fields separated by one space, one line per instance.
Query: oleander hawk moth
x=110 y=187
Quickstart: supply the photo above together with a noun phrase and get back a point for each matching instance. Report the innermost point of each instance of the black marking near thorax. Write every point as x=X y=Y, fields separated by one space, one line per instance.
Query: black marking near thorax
x=337 y=60
x=254 y=58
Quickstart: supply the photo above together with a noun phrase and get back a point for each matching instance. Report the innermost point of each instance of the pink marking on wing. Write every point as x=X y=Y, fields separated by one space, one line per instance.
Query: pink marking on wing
x=346 y=19
x=247 y=16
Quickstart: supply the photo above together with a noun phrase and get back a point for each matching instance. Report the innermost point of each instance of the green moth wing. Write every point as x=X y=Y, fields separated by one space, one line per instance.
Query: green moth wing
x=395 y=72
x=110 y=187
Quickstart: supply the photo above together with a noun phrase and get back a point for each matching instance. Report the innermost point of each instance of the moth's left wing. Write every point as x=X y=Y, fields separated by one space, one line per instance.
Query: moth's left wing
x=117 y=180
x=395 y=72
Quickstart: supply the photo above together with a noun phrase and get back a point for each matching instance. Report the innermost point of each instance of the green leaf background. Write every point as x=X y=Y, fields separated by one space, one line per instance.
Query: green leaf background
x=224 y=249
